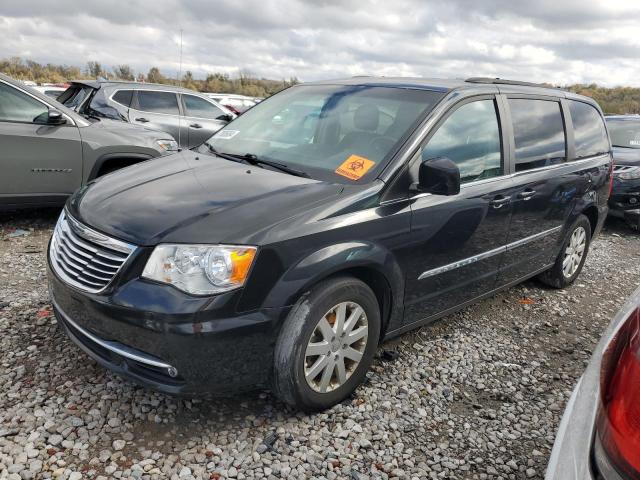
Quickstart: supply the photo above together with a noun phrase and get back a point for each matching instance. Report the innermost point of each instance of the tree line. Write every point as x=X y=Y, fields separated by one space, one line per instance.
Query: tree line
x=612 y=100
x=244 y=83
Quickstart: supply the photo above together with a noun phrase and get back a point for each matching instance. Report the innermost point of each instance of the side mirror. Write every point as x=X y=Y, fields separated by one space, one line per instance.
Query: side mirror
x=439 y=176
x=226 y=117
x=55 y=117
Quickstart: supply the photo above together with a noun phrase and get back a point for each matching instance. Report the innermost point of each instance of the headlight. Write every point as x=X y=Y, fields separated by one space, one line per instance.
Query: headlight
x=627 y=173
x=167 y=145
x=200 y=269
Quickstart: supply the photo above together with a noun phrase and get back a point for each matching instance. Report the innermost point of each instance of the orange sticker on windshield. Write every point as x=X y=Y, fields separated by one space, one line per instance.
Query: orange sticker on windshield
x=355 y=167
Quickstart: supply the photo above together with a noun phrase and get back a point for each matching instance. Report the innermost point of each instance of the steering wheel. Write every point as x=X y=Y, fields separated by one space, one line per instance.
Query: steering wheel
x=383 y=143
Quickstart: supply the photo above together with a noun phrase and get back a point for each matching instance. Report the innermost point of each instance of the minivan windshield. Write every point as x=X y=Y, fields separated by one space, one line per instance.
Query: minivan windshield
x=624 y=133
x=339 y=133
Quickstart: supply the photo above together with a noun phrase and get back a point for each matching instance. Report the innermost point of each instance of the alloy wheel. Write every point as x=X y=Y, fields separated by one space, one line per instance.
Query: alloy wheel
x=336 y=347
x=574 y=252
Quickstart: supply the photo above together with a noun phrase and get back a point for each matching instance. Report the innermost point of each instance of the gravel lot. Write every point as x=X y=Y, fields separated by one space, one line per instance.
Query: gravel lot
x=477 y=395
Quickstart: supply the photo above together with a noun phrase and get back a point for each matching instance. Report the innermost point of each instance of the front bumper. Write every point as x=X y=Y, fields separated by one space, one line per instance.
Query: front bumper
x=624 y=202
x=162 y=338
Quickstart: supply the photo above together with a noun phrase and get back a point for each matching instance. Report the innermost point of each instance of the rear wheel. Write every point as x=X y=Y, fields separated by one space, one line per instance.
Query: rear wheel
x=327 y=344
x=572 y=256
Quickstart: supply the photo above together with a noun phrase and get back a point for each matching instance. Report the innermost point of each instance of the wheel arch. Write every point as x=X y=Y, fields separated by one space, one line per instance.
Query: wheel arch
x=123 y=158
x=379 y=285
x=372 y=264
x=592 y=214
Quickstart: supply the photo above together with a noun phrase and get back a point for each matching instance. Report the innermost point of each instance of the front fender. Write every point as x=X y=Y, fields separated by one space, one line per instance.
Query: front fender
x=355 y=256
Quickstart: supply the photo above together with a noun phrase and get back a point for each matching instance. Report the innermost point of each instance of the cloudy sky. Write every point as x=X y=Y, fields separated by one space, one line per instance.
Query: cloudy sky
x=557 y=41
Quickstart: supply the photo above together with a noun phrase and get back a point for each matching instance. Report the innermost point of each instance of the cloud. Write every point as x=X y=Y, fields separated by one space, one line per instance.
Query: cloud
x=547 y=40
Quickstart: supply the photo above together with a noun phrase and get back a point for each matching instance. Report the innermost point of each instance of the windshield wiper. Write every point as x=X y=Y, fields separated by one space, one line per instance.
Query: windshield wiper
x=255 y=160
x=226 y=156
x=252 y=159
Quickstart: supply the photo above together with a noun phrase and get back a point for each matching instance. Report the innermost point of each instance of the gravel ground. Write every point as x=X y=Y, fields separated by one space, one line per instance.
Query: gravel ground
x=477 y=395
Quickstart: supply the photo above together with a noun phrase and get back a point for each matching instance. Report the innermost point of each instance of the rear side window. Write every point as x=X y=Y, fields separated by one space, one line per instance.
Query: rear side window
x=589 y=132
x=470 y=137
x=123 y=97
x=158 y=102
x=538 y=130
x=199 y=107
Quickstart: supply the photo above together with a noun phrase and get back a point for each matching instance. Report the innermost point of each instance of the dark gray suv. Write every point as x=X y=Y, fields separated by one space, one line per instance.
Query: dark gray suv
x=189 y=117
x=49 y=151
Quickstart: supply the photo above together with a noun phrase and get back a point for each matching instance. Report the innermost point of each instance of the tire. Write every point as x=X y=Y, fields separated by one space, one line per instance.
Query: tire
x=307 y=324
x=562 y=275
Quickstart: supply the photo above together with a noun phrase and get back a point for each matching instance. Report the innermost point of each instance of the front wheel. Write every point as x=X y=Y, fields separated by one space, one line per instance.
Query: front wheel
x=572 y=256
x=327 y=344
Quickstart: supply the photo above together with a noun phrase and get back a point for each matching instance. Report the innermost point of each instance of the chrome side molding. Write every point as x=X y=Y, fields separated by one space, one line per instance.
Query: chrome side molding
x=487 y=254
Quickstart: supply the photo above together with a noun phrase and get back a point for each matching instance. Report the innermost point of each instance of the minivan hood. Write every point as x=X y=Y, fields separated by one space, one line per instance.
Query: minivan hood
x=195 y=198
x=626 y=156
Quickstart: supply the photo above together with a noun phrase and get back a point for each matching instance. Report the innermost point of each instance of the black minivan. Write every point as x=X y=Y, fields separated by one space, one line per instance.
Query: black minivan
x=324 y=220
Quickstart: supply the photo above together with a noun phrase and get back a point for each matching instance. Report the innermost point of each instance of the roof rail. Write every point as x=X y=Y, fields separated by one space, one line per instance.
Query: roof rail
x=107 y=80
x=502 y=81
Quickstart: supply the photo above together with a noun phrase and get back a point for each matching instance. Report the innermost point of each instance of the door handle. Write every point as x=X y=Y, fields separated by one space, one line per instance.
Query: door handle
x=526 y=195
x=142 y=120
x=195 y=125
x=499 y=201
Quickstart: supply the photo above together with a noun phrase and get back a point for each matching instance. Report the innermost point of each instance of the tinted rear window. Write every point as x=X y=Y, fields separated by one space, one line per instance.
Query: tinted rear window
x=588 y=127
x=538 y=129
x=158 y=102
x=123 y=97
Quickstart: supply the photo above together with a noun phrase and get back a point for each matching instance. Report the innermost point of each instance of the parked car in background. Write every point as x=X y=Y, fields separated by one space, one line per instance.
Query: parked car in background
x=49 y=90
x=238 y=104
x=188 y=116
x=48 y=151
x=599 y=435
x=327 y=218
x=625 y=197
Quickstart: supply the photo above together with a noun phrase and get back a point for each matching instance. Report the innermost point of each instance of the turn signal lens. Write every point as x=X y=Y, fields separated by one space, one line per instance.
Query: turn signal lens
x=241 y=261
x=619 y=414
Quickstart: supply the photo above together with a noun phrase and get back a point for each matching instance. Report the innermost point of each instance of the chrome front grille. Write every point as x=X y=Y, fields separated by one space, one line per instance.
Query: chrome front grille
x=84 y=258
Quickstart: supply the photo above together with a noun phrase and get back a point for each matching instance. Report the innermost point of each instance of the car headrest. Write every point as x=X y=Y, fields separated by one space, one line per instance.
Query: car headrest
x=366 y=117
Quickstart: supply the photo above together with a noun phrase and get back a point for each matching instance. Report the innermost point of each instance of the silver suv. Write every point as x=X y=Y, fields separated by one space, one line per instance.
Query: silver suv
x=49 y=151
x=188 y=116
